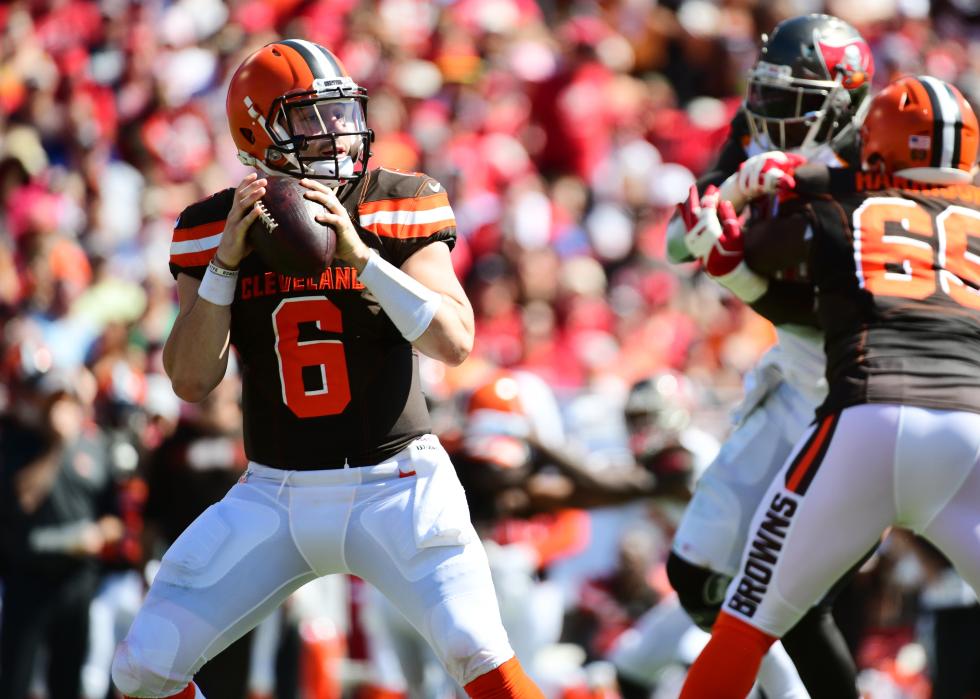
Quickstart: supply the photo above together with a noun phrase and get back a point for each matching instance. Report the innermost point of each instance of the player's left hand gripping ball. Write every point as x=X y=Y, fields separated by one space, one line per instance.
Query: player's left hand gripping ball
x=700 y=217
x=350 y=247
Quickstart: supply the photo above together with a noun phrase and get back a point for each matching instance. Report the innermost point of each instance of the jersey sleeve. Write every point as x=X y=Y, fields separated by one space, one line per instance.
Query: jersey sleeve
x=818 y=180
x=676 y=249
x=197 y=234
x=413 y=213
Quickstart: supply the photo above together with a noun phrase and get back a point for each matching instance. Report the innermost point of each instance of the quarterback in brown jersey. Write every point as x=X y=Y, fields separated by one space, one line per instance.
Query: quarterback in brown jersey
x=894 y=253
x=344 y=475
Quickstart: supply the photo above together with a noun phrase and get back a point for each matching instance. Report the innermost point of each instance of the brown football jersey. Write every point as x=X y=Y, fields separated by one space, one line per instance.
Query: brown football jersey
x=896 y=265
x=326 y=376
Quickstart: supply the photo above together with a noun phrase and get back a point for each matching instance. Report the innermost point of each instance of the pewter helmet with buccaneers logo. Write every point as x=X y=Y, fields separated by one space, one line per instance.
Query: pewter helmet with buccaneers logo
x=809 y=84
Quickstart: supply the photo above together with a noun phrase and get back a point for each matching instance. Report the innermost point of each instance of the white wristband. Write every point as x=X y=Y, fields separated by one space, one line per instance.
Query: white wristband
x=218 y=285
x=746 y=284
x=410 y=304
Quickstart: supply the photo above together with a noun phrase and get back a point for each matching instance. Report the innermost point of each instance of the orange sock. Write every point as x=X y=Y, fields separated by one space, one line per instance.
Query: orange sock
x=376 y=691
x=188 y=692
x=502 y=682
x=727 y=666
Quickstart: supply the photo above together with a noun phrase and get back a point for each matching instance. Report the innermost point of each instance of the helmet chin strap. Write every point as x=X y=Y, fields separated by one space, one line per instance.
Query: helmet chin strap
x=325 y=168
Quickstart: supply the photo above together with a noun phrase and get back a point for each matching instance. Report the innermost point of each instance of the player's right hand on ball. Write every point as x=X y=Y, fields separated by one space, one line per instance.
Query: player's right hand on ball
x=234 y=245
x=765 y=173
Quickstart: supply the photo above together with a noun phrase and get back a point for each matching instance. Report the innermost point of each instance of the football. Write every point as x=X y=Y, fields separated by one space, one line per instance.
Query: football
x=286 y=233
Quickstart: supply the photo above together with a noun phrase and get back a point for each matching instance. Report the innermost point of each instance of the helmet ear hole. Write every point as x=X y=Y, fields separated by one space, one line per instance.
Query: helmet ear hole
x=248 y=135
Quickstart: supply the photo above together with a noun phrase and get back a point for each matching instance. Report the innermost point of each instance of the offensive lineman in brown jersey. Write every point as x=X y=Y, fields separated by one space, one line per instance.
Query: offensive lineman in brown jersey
x=893 y=253
x=805 y=94
x=343 y=476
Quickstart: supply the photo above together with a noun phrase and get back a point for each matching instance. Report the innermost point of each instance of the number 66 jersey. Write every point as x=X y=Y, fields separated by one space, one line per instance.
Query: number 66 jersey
x=327 y=379
x=896 y=265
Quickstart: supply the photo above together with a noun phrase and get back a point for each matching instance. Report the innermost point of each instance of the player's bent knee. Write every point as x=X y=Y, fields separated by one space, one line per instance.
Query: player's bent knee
x=700 y=591
x=468 y=637
x=140 y=671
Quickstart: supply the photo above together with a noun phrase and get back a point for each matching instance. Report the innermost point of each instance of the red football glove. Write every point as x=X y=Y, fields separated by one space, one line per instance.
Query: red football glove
x=700 y=217
x=729 y=250
x=765 y=173
x=725 y=262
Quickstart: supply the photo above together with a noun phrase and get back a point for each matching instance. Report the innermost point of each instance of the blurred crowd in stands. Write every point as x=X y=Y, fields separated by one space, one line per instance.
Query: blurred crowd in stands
x=565 y=133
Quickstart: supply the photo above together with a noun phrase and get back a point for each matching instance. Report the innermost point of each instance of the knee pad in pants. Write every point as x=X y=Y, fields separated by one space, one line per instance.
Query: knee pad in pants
x=701 y=591
x=468 y=636
x=135 y=676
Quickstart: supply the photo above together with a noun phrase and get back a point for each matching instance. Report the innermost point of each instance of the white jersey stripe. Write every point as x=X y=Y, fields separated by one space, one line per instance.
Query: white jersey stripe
x=950 y=115
x=199 y=245
x=408 y=218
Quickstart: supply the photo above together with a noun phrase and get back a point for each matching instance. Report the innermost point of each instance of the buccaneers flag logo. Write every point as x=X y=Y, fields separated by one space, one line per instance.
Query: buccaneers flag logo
x=852 y=59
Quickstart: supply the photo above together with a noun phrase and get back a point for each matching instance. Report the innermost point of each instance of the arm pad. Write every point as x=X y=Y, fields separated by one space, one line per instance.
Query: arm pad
x=410 y=304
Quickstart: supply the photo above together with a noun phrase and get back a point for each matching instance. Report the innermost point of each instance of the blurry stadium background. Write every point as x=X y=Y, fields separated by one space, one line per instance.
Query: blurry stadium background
x=564 y=131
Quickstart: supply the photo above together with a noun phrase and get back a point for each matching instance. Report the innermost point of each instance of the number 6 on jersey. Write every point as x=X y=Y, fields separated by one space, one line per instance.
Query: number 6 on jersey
x=333 y=395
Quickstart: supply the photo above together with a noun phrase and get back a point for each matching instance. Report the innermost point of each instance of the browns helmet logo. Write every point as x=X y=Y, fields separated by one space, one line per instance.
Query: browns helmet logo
x=294 y=110
x=921 y=128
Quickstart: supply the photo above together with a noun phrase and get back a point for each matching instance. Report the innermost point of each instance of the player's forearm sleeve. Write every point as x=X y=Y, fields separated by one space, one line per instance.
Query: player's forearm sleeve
x=410 y=304
x=677 y=251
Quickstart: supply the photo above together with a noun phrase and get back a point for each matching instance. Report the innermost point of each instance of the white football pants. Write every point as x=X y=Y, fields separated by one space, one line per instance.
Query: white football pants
x=850 y=477
x=402 y=525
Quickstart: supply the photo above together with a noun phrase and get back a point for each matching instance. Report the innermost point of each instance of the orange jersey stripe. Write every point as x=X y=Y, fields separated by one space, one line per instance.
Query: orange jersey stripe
x=432 y=201
x=197 y=232
x=419 y=230
x=807 y=461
